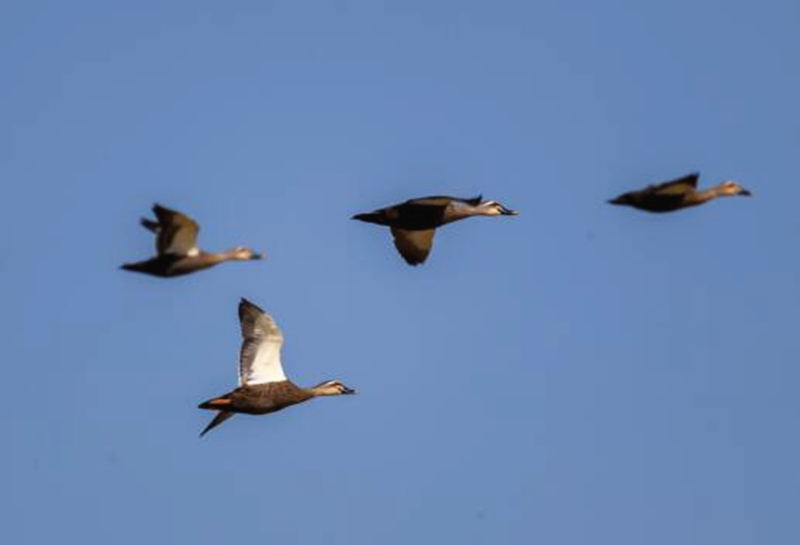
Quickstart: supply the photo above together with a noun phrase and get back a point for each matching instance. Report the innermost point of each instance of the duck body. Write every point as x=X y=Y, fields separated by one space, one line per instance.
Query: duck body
x=421 y=214
x=653 y=202
x=414 y=222
x=259 y=398
x=677 y=194
x=170 y=265
x=177 y=253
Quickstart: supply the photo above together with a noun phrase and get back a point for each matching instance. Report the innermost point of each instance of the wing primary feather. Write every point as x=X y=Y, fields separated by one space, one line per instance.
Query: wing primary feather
x=413 y=246
x=262 y=340
x=475 y=201
x=177 y=232
x=150 y=225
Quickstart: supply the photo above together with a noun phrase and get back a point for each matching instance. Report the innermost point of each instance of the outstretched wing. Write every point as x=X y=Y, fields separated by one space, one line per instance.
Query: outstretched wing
x=260 y=357
x=177 y=233
x=677 y=187
x=414 y=246
x=442 y=200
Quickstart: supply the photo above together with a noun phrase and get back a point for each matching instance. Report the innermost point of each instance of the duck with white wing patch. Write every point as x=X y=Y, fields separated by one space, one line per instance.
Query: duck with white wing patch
x=263 y=386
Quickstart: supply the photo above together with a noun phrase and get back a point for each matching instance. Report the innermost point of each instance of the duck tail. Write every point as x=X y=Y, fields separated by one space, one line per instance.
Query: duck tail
x=625 y=198
x=137 y=267
x=216 y=404
x=221 y=417
x=371 y=217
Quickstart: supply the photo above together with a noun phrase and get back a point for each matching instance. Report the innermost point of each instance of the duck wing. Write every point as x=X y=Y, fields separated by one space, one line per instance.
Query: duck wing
x=677 y=187
x=442 y=200
x=414 y=246
x=177 y=233
x=260 y=356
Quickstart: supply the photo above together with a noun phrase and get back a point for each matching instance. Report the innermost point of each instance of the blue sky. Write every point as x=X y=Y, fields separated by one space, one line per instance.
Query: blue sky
x=580 y=374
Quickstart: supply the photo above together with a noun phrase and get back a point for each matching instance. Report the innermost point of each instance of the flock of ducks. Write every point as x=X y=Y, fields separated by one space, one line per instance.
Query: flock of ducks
x=263 y=385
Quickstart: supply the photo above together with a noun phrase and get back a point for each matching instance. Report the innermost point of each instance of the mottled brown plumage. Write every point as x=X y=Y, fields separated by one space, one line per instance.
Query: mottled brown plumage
x=260 y=398
x=176 y=247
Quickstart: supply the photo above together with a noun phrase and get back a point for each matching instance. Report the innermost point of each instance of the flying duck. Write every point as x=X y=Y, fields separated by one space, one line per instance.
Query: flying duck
x=176 y=247
x=678 y=194
x=414 y=222
x=263 y=387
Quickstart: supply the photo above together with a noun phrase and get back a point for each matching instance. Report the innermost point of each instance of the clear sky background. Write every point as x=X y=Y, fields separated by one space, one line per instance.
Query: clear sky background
x=579 y=374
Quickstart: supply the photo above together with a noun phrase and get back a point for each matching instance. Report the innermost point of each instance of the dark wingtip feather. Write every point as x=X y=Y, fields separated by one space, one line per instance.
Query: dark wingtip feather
x=693 y=176
x=150 y=225
x=413 y=262
x=245 y=304
x=163 y=213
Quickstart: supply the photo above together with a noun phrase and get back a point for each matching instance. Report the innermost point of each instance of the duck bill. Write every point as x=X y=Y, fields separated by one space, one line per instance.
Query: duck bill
x=348 y=391
x=507 y=212
x=257 y=256
x=745 y=193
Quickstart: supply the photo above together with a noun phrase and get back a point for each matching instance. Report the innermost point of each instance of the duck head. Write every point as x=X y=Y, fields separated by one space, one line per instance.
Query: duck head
x=730 y=188
x=241 y=253
x=494 y=208
x=332 y=388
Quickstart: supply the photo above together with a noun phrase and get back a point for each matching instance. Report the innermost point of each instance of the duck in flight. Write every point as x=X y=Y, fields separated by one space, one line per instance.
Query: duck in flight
x=263 y=386
x=678 y=194
x=414 y=222
x=176 y=247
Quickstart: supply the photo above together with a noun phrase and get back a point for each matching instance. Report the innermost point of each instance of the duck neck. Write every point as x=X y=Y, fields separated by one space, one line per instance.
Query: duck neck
x=460 y=210
x=227 y=255
x=321 y=390
x=212 y=258
x=699 y=197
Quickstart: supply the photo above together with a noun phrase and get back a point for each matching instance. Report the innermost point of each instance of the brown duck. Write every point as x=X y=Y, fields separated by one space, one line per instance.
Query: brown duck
x=414 y=222
x=176 y=247
x=678 y=194
x=263 y=387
